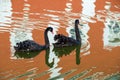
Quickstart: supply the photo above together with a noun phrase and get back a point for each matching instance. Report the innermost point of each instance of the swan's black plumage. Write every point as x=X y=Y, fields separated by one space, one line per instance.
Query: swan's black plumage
x=63 y=41
x=30 y=45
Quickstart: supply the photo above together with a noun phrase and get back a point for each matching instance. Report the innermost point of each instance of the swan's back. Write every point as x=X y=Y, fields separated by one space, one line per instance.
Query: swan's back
x=28 y=45
x=68 y=41
x=63 y=41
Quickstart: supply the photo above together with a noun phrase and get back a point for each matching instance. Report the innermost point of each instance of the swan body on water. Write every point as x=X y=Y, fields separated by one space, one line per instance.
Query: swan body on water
x=60 y=41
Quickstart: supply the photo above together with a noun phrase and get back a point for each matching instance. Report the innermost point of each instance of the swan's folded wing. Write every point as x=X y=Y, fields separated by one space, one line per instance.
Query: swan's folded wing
x=64 y=41
x=28 y=45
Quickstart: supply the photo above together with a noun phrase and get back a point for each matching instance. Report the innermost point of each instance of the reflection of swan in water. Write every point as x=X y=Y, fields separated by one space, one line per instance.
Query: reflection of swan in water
x=52 y=61
x=26 y=55
x=59 y=52
x=53 y=57
x=67 y=50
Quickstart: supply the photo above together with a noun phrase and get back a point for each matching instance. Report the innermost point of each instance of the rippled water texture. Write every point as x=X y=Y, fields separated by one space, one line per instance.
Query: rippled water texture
x=97 y=59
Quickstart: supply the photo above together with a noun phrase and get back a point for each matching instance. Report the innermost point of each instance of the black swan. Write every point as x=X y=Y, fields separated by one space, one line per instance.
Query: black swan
x=63 y=41
x=30 y=45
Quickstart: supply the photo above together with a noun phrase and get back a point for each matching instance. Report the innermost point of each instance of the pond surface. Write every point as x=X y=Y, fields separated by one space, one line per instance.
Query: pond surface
x=97 y=59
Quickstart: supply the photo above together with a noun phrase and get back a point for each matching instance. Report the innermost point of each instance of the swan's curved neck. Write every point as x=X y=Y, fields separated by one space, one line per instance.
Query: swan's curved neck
x=46 y=38
x=77 y=33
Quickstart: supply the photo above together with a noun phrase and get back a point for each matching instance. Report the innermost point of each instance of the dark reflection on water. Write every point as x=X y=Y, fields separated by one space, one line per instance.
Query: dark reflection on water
x=26 y=55
x=64 y=51
x=52 y=58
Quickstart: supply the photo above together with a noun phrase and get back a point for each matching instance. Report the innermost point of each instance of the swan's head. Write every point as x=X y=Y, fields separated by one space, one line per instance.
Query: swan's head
x=57 y=37
x=49 y=29
x=76 y=21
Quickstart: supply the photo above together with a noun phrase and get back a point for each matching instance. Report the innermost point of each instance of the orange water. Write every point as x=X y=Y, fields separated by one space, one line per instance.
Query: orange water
x=33 y=16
